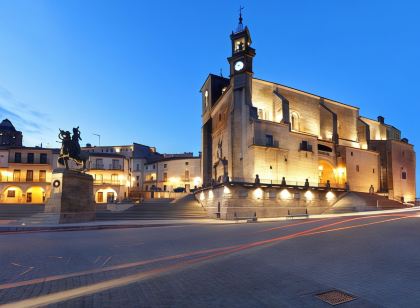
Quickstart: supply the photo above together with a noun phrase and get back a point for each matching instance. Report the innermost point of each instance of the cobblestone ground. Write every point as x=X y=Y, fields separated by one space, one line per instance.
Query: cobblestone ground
x=284 y=264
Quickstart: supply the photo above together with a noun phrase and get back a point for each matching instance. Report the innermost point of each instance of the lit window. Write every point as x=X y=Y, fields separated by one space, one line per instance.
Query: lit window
x=404 y=175
x=11 y=193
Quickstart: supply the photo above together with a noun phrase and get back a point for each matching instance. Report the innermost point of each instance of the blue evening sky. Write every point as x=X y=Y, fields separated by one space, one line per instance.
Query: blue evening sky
x=131 y=70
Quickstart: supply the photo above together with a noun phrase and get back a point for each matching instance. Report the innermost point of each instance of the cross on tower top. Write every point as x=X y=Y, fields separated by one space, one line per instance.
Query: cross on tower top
x=240 y=25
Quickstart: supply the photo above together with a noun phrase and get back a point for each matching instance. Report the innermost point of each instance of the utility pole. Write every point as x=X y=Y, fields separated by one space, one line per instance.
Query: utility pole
x=99 y=136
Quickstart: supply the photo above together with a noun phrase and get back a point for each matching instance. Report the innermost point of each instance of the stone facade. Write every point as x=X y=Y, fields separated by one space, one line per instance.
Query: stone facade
x=256 y=130
x=71 y=196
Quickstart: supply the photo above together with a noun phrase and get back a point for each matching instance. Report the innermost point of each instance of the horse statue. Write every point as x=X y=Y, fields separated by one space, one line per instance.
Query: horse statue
x=70 y=149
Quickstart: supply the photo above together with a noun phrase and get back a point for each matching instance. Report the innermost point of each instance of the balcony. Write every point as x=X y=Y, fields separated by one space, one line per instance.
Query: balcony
x=107 y=182
x=263 y=142
x=115 y=167
x=98 y=166
x=23 y=180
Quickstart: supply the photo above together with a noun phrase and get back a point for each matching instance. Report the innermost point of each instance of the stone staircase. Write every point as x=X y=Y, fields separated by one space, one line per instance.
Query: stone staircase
x=359 y=202
x=11 y=213
x=155 y=209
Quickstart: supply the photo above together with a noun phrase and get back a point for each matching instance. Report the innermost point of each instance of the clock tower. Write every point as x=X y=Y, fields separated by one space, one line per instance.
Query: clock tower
x=242 y=52
x=242 y=112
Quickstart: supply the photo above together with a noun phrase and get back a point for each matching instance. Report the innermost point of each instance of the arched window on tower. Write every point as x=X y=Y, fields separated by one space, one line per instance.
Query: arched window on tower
x=294 y=120
x=206 y=99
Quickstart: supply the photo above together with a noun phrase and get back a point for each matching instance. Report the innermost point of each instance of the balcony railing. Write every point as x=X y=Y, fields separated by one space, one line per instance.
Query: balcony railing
x=107 y=182
x=97 y=166
x=23 y=180
x=26 y=162
x=266 y=143
x=115 y=167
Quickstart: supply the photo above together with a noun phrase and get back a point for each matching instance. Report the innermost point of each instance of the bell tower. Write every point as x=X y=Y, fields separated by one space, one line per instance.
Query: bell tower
x=242 y=53
x=242 y=110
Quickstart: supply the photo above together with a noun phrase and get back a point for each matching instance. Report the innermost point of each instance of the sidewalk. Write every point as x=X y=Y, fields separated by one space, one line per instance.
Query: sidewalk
x=101 y=225
x=125 y=224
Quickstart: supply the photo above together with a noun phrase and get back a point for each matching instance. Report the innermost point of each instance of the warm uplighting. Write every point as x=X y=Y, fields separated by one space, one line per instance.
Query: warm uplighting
x=320 y=168
x=330 y=196
x=174 y=181
x=226 y=190
x=285 y=194
x=309 y=195
x=6 y=174
x=340 y=171
x=197 y=181
x=202 y=197
x=211 y=195
x=258 y=193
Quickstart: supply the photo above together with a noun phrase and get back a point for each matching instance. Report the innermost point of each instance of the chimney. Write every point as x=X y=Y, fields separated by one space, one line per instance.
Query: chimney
x=381 y=119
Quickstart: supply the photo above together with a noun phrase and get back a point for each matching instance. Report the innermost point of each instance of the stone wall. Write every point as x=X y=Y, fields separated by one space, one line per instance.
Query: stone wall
x=232 y=201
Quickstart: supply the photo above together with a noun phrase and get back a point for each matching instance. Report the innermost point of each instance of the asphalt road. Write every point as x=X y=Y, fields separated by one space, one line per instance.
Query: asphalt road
x=376 y=259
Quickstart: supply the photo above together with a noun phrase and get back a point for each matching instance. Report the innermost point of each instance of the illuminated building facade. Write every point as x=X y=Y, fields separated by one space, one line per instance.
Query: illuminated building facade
x=172 y=172
x=25 y=174
x=257 y=131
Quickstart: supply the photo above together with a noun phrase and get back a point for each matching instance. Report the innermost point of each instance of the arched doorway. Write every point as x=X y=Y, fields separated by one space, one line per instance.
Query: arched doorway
x=105 y=195
x=12 y=194
x=326 y=173
x=35 y=195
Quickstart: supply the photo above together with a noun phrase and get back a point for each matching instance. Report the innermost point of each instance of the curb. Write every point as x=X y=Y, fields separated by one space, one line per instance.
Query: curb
x=15 y=230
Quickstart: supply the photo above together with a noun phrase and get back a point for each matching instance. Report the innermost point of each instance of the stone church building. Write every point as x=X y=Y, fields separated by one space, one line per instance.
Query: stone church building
x=260 y=132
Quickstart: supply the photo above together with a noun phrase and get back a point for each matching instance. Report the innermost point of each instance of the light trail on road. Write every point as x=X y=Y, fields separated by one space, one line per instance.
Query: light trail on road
x=183 y=264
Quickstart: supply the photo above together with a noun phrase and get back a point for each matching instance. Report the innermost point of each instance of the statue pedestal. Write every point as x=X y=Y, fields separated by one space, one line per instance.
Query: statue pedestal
x=71 y=196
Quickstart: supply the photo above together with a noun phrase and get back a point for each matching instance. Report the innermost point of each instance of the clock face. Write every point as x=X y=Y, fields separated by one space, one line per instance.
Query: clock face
x=239 y=66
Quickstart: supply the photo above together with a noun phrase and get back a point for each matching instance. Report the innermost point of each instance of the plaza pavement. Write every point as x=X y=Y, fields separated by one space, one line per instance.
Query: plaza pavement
x=269 y=264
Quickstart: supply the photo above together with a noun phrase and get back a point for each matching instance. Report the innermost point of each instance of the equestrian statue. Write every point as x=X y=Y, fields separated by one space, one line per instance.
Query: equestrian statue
x=70 y=149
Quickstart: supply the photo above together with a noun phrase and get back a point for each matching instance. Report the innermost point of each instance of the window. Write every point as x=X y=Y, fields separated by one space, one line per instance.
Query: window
x=220 y=117
x=404 y=175
x=18 y=157
x=115 y=164
x=373 y=170
x=42 y=175
x=16 y=175
x=137 y=178
x=114 y=178
x=186 y=163
x=154 y=167
x=100 y=197
x=99 y=163
x=269 y=140
x=43 y=158
x=99 y=178
x=165 y=176
x=305 y=146
x=147 y=167
x=30 y=158
x=11 y=193
x=357 y=168
x=165 y=166
x=294 y=120
x=187 y=175
x=137 y=167
x=29 y=175
x=351 y=153
x=206 y=98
